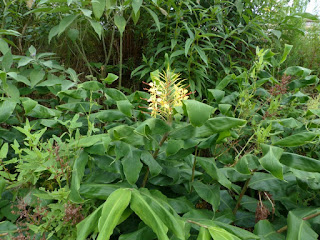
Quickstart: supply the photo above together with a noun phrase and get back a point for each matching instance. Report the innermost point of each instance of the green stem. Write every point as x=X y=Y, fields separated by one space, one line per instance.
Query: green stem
x=120 y=63
x=194 y=168
x=244 y=189
x=155 y=155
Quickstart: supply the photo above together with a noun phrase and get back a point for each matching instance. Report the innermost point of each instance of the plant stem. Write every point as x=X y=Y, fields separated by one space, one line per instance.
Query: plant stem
x=155 y=155
x=120 y=63
x=305 y=218
x=244 y=189
x=194 y=167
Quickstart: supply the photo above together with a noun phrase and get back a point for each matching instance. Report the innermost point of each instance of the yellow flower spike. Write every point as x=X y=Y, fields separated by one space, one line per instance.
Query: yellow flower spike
x=167 y=92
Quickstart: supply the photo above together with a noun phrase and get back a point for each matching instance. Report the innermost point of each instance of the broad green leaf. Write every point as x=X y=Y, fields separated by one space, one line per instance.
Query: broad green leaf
x=225 y=81
x=219 y=124
x=187 y=46
x=120 y=22
x=131 y=164
x=108 y=115
x=278 y=34
x=97 y=27
x=198 y=112
x=218 y=233
x=247 y=163
x=286 y=51
x=299 y=229
x=99 y=191
x=65 y=23
x=4 y=151
x=98 y=7
x=125 y=107
x=209 y=165
x=73 y=34
x=110 y=78
x=165 y=213
x=19 y=78
x=4 y=47
x=6 y=109
x=202 y=54
x=204 y=234
x=173 y=146
x=298 y=71
x=24 y=61
x=36 y=76
x=209 y=193
x=148 y=216
x=89 y=224
x=217 y=94
x=53 y=32
x=115 y=94
x=91 y=85
x=155 y=18
x=7 y=61
x=153 y=165
x=265 y=231
x=300 y=162
x=184 y=133
x=270 y=160
x=152 y=126
x=144 y=233
x=111 y=212
x=136 y=4
x=298 y=139
x=77 y=174
x=239 y=232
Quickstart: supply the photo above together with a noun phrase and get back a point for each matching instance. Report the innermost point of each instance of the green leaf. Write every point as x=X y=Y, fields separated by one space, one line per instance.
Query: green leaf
x=89 y=224
x=209 y=165
x=167 y=215
x=298 y=139
x=98 y=7
x=24 y=61
x=209 y=193
x=99 y=191
x=120 y=22
x=153 y=165
x=265 y=231
x=4 y=151
x=125 y=107
x=148 y=216
x=6 y=109
x=131 y=164
x=298 y=71
x=198 y=112
x=53 y=32
x=219 y=124
x=73 y=34
x=225 y=81
x=97 y=27
x=270 y=160
x=36 y=76
x=65 y=23
x=299 y=229
x=115 y=94
x=155 y=18
x=110 y=78
x=187 y=46
x=152 y=126
x=111 y=213
x=77 y=174
x=4 y=47
x=246 y=164
x=204 y=234
x=136 y=4
x=202 y=54
x=287 y=50
x=218 y=233
x=7 y=61
x=217 y=94
x=300 y=162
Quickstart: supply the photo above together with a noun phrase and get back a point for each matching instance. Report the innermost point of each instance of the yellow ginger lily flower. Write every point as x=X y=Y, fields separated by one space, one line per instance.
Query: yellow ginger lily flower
x=167 y=92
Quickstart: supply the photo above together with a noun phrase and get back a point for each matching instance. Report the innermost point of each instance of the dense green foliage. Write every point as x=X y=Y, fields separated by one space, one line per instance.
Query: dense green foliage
x=212 y=133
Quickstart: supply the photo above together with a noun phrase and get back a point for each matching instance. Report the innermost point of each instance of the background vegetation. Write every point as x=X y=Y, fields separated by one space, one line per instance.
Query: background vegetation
x=135 y=119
